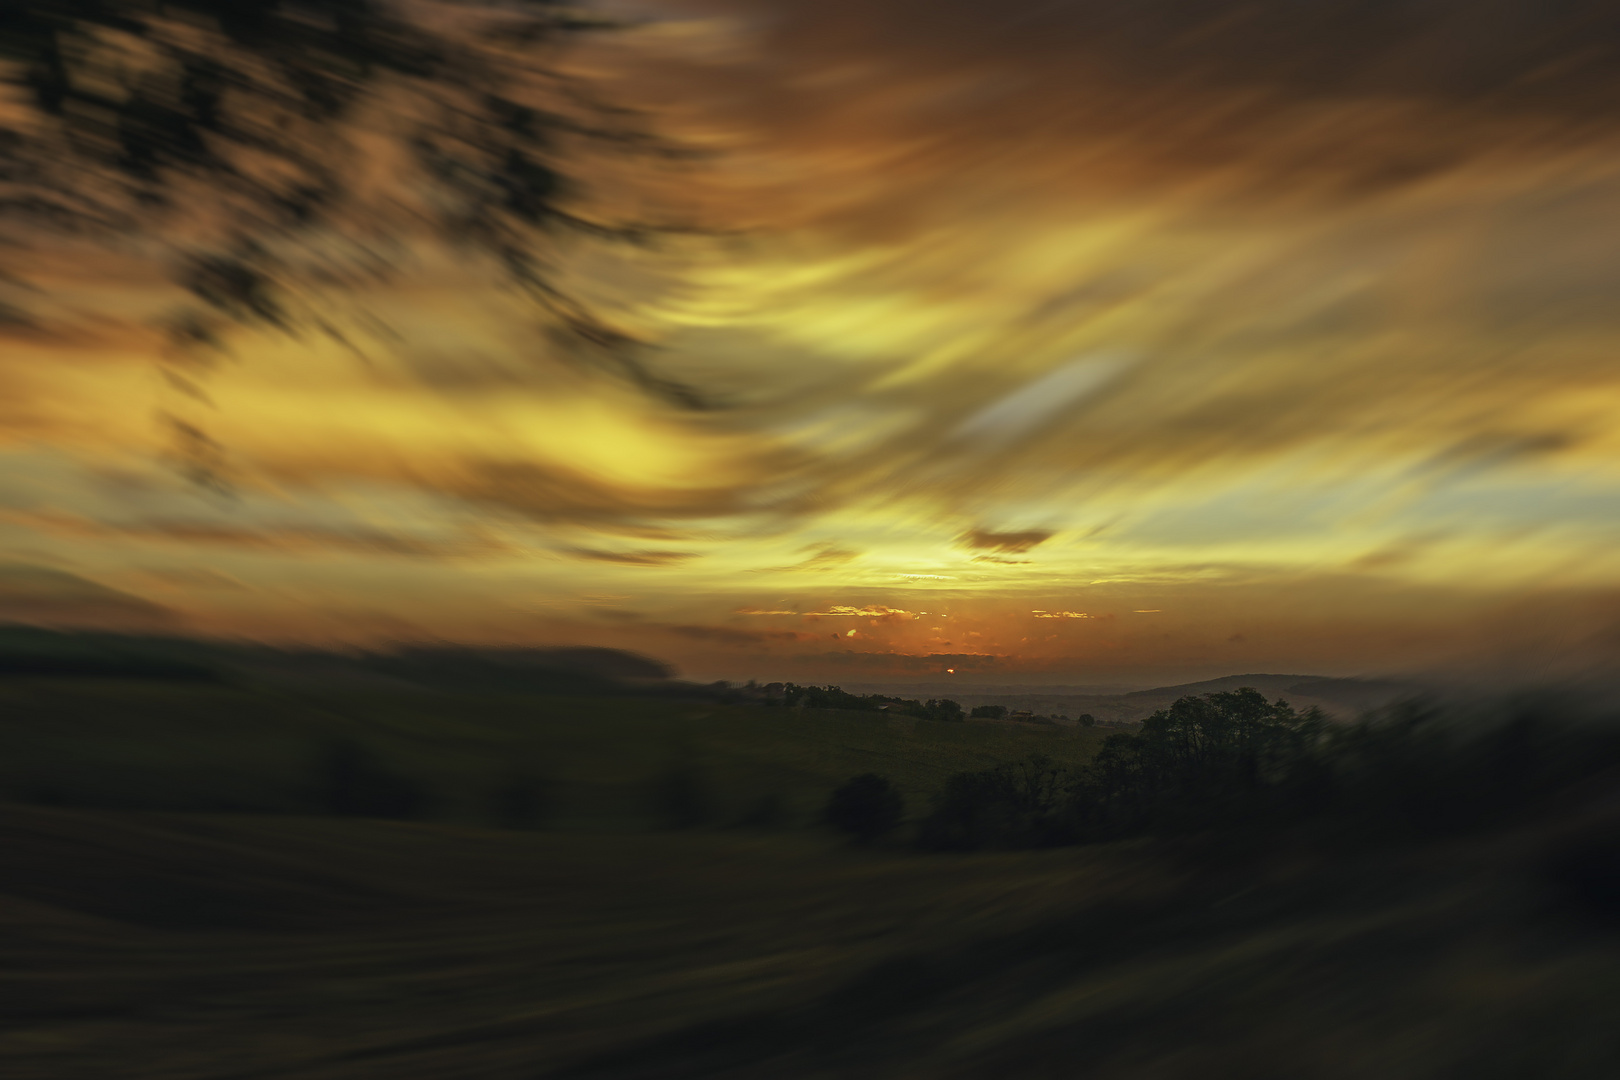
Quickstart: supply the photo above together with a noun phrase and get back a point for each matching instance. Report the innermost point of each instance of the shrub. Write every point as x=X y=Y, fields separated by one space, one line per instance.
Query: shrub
x=1011 y=806
x=524 y=800
x=989 y=712
x=766 y=812
x=1585 y=869
x=353 y=783
x=680 y=798
x=867 y=807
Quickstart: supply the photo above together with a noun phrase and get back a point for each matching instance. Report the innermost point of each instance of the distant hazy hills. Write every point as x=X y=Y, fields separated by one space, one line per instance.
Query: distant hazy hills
x=31 y=652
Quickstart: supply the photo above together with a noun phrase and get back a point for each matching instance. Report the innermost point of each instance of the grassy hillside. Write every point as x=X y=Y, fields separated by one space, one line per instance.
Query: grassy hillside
x=262 y=747
x=180 y=900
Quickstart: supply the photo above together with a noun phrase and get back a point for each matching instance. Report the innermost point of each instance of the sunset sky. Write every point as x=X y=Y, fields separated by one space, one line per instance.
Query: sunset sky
x=1065 y=342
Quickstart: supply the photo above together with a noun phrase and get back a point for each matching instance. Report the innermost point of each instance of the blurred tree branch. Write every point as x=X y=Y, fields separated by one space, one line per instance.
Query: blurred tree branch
x=271 y=153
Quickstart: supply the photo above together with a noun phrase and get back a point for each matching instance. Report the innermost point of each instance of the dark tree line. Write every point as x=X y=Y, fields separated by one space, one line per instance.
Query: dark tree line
x=791 y=695
x=1235 y=761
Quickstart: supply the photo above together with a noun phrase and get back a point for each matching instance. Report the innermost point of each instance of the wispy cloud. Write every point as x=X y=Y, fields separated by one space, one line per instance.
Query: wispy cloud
x=1022 y=412
x=1121 y=303
x=991 y=540
x=822 y=557
x=630 y=558
x=726 y=635
x=291 y=539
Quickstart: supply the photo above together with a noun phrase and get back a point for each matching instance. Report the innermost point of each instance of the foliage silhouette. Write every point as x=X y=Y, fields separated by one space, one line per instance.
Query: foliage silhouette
x=1022 y=804
x=1233 y=760
x=681 y=798
x=271 y=152
x=354 y=783
x=1585 y=868
x=1204 y=759
x=867 y=807
x=524 y=800
x=835 y=697
x=768 y=811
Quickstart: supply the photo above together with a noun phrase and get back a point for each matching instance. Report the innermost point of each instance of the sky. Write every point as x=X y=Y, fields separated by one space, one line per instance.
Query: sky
x=1040 y=342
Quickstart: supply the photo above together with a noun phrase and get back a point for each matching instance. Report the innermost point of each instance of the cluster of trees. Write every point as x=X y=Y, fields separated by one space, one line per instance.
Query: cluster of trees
x=1235 y=760
x=1202 y=761
x=1001 y=712
x=352 y=780
x=833 y=697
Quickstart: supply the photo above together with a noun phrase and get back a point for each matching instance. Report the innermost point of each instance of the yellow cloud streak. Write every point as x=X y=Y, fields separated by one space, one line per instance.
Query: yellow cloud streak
x=1406 y=380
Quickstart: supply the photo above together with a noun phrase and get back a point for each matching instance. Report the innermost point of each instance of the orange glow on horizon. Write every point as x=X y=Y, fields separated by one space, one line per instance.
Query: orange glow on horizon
x=1017 y=340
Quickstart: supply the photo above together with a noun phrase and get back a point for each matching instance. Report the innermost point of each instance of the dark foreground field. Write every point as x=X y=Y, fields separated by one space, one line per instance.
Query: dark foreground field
x=193 y=883
x=196 y=945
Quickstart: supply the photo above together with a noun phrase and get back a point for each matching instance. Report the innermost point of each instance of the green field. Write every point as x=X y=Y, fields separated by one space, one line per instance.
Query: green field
x=259 y=748
x=173 y=906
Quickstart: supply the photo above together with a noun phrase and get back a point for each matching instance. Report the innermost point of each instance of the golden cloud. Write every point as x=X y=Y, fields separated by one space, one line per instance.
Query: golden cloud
x=630 y=558
x=1222 y=308
x=726 y=635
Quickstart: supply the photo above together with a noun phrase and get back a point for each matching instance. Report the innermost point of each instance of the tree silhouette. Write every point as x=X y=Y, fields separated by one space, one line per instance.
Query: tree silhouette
x=523 y=800
x=681 y=797
x=1016 y=804
x=269 y=152
x=353 y=782
x=867 y=807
